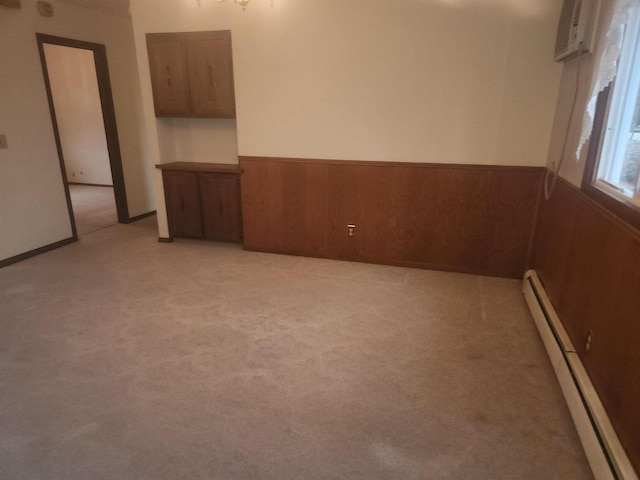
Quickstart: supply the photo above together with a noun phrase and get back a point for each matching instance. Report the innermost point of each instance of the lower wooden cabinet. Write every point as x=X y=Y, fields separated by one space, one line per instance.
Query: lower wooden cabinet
x=221 y=215
x=182 y=195
x=203 y=200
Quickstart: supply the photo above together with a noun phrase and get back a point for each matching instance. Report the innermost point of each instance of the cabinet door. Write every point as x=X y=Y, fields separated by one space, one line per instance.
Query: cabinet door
x=211 y=74
x=221 y=215
x=182 y=195
x=169 y=74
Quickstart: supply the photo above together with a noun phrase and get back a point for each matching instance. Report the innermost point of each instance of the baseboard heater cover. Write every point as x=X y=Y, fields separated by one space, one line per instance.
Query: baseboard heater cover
x=605 y=453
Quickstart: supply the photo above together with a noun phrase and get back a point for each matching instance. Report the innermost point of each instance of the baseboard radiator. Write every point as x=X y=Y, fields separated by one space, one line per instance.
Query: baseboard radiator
x=605 y=454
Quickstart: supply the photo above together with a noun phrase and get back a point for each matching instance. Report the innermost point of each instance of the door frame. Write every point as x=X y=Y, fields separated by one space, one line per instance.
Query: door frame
x=108 y=115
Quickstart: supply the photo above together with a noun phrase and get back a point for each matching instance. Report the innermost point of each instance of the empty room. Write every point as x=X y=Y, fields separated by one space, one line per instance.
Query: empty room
x=374 y=239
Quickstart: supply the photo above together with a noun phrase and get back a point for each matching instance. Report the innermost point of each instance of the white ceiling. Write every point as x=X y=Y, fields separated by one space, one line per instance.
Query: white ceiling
x=116 y=7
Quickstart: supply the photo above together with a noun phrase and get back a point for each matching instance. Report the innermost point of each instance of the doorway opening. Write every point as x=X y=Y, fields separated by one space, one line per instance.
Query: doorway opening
x=76 y=76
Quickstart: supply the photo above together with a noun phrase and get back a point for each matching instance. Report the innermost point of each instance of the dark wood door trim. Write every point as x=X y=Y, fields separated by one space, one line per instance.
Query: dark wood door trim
x=32 y=253
x=108 y=114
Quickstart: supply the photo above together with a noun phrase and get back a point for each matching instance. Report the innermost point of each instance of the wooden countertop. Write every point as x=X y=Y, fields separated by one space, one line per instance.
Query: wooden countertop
x=200 y=167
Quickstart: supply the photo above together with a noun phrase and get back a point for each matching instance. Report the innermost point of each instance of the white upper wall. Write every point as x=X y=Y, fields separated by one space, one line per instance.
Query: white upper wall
x=452 y=81
x=33 y=210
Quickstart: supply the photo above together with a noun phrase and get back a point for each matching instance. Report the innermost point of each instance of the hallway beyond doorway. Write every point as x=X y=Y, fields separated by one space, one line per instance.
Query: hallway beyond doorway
x=94 y=207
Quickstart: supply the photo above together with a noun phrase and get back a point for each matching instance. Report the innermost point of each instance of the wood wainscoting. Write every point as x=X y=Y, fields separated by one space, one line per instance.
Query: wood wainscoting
x=464 y=218
x=589 y=263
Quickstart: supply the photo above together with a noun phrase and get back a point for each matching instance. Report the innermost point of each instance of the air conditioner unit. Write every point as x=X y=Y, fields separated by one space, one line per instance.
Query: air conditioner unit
x=575 y=29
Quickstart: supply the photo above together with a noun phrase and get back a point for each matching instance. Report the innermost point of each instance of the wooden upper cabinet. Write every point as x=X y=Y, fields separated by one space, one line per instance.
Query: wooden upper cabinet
x=211 y=74
x=169 y=74
x=192 y=74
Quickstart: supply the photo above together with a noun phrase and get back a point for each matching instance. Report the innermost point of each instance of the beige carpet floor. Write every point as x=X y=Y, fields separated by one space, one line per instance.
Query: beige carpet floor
x=123 y=358
x=94 y=208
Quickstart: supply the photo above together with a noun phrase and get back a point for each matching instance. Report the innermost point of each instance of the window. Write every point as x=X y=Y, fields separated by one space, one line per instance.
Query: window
x=613 y=165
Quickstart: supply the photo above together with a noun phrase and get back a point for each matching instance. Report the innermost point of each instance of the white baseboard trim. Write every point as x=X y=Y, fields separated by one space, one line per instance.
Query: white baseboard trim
x=605 y=454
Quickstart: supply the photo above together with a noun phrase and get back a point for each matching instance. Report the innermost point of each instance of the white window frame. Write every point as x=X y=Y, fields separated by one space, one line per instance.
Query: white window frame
x=624 y=93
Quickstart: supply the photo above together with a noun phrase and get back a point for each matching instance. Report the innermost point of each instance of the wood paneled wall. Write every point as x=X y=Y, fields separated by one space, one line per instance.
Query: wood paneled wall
x=589 y=263
x=475 y=219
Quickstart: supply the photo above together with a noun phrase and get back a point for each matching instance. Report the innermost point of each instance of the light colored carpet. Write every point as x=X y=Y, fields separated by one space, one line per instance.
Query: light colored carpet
x=123 y=358
x=94 y=208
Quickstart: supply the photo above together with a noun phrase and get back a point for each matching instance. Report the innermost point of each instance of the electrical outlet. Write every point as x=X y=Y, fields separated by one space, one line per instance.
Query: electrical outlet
x=587 y=344
x=3 y=141
x=351 y=230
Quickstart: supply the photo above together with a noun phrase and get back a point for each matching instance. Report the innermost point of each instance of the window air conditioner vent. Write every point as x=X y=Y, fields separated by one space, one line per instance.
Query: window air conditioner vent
x=575 y=28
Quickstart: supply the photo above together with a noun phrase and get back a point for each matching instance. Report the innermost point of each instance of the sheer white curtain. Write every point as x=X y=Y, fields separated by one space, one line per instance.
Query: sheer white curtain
x=607 y=54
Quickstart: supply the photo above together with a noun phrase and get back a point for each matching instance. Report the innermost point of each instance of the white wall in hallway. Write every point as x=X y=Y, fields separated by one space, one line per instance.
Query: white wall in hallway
x=74 y=87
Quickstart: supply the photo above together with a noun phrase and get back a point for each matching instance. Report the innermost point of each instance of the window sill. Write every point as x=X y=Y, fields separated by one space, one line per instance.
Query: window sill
x=616 y=204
